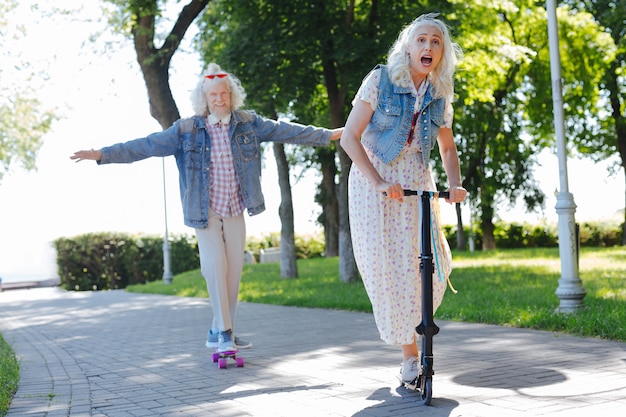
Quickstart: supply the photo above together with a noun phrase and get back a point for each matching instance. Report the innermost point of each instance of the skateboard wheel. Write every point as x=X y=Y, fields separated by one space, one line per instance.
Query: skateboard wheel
x=215 y=357
x=221 y=363
x=239 y=362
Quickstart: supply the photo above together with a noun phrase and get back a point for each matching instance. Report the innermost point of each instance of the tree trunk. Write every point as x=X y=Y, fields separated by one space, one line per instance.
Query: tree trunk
x=288 y=265
x=624 y=224
x=620 y=127
x=328 y=200
x=486 y=204
x=348 y=270
x=155 y=62
x=489 y=241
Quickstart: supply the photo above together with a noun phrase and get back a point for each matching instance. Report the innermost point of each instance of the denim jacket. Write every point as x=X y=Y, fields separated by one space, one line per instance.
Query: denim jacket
x=189 y=142
x=388 y=130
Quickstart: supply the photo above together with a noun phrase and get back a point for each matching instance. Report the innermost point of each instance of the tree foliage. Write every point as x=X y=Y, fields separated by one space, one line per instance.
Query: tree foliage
x=608 y=140
x=22 y=127
x=145 y=22
x=23 y=120
x=504 y=112
x=306 y=59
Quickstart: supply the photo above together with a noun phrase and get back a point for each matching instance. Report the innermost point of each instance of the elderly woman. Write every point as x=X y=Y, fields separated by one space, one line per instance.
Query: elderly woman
x=401 y=110
x=218 y=154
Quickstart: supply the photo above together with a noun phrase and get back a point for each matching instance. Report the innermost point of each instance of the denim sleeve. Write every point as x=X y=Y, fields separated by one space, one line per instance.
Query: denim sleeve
x=163 y=143
x=289 y=132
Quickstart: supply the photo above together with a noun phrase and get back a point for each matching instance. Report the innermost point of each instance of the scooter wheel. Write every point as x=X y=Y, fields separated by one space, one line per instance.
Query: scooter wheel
x=426 y=393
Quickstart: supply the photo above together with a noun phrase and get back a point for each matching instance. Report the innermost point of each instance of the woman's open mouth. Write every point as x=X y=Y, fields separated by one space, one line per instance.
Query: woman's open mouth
x=427 y=60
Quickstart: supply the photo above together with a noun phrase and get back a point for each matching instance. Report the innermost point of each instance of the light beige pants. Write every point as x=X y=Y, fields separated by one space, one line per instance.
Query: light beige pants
x=221 y=246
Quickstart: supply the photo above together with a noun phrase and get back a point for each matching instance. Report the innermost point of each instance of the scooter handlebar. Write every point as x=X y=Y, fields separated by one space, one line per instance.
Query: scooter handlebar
x=440 y=194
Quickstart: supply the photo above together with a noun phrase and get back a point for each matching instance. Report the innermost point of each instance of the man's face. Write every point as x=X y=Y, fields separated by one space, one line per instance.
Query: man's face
x=218 y=98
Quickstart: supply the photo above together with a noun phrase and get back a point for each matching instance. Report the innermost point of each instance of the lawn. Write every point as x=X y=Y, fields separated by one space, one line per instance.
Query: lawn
x=9 y=375
x=503 y=287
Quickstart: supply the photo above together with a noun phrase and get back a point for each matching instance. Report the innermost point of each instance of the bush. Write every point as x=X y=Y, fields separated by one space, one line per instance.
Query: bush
x=543 y=236
x=310 y=246
x=104 y=261
x=515 y=235
x=185 y=256
x=307 y=246
x=93 y=261
x=599 y=235
x=254 y=244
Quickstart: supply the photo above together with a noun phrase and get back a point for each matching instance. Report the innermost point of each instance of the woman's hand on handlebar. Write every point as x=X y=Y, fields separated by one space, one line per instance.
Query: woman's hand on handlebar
x=390 y=190
x=457 y=194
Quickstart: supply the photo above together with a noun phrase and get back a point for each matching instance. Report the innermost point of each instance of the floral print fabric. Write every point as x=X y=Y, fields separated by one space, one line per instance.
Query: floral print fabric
x=385 y=239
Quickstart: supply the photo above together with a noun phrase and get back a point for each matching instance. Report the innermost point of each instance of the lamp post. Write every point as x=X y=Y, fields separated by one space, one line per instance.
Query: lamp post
x=167 y=272
x=570 y=290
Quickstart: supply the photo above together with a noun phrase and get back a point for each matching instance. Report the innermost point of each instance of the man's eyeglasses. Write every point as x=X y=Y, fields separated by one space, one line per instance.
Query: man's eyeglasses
x=211 y=76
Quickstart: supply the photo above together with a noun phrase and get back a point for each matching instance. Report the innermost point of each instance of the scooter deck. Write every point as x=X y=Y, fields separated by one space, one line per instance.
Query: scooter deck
x=412 y=385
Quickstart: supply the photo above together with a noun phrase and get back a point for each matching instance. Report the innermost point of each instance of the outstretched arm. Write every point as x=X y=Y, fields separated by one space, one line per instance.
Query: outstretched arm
x=86 y=155
x=336 y=133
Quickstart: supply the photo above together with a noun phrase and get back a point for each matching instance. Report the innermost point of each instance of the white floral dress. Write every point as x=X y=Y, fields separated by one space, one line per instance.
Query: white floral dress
x=385 y=234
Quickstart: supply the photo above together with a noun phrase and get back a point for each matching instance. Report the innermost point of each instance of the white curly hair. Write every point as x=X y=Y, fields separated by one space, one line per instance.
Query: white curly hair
x=198 y=97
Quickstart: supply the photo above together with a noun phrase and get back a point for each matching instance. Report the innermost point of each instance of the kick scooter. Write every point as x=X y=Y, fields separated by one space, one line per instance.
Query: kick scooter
x=423 y=384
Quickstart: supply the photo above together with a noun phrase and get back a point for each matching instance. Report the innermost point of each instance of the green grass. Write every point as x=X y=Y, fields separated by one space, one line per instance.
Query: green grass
x=503 y=287
x=317 y=286
x=517 y=288
x=9 y=376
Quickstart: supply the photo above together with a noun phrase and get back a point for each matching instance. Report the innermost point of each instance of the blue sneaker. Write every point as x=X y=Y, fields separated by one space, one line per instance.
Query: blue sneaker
x=226 y=342
x=212 y=340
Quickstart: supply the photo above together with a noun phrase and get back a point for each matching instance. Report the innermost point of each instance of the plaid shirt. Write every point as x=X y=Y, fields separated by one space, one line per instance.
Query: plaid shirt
x=224 y=190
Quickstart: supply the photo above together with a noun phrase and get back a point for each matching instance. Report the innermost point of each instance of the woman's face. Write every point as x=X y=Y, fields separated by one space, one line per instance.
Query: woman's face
x=218 y=99
x=425 y=49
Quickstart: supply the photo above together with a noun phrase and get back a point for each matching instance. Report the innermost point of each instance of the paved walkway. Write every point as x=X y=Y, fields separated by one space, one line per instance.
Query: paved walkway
x=119 y=354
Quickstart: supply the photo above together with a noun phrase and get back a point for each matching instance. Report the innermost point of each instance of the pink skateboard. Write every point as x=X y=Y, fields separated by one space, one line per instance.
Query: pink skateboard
x=222 y=359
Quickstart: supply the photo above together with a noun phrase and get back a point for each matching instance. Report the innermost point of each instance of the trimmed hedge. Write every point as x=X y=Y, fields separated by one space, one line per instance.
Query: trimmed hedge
x=307 y=246
x=103 y=261
x=516 y=235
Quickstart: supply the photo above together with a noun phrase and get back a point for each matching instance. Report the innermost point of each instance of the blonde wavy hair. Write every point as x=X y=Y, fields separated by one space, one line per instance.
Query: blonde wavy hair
x=198 y=97
x=442 y=77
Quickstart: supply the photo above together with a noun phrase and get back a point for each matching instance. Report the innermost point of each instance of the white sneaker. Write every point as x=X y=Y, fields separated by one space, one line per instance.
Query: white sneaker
x=409 y=370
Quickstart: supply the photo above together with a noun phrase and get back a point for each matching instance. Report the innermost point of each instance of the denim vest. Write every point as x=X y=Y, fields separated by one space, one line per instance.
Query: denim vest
x=189 y=142
x=388 y=130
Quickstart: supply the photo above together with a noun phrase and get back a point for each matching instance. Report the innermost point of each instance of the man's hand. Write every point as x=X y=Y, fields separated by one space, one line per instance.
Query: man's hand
x=86 y=155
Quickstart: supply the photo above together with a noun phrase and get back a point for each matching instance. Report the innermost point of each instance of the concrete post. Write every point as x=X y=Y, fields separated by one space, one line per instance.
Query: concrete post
x=570 y=290
x=167 y=271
